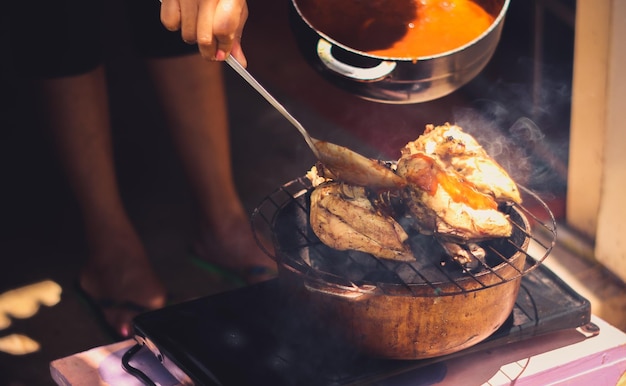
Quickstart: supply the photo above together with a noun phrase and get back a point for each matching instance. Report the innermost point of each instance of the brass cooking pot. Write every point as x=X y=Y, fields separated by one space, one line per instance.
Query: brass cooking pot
x=390 y=79
x=410 y=327
x=388 y=319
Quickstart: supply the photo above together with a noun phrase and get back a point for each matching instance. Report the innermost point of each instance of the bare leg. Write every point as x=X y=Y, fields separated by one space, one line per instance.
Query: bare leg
x=193 y=94
x=117 y=268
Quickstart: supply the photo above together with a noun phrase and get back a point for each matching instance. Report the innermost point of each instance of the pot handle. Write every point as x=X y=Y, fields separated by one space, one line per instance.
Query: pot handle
x=326 y=56
x=350 y=293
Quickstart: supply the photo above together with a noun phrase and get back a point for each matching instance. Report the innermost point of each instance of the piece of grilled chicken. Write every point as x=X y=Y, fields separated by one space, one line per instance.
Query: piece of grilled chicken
x=455 y=186
x=452 y=191
x=444 y=204
x=457 y=152
x=344 y=218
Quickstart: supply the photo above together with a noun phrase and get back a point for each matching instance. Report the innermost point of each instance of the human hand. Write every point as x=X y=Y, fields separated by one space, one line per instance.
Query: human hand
x=215 y=25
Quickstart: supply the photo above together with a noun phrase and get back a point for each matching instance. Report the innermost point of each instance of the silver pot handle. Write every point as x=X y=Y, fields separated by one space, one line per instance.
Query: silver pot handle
x=351 y=293
x=380 y=71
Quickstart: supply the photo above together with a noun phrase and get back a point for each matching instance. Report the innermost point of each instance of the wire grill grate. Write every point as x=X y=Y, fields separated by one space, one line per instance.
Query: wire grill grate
x=281 y=226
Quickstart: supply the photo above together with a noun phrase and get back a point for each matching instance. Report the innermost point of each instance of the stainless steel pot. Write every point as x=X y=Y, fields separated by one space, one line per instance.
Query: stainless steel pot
x=398 y=80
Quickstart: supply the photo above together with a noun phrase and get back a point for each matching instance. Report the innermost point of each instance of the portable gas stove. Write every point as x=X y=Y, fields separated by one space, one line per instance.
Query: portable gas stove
x=267 y=334
x=257 y=336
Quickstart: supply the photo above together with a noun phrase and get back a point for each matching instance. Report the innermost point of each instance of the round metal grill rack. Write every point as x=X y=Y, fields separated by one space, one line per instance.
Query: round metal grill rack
x=281 y=227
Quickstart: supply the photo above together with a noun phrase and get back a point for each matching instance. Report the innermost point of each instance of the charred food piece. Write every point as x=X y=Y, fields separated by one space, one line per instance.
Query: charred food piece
x=470 y=256
x=344 y=218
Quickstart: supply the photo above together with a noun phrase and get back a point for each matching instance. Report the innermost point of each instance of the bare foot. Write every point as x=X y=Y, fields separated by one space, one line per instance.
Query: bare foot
x=232 y=246
x=120 y=278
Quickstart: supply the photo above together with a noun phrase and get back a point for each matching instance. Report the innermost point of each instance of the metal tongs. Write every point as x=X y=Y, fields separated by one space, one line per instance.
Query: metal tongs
x=347 y=165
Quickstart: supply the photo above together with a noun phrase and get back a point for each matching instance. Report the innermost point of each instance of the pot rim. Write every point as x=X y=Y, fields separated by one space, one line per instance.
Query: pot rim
x=510 y=269
x=539 y=222
x=505 y=272
x=497 y=21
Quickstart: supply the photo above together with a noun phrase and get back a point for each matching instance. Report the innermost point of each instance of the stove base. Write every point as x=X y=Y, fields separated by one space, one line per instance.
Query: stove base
x=255 y=335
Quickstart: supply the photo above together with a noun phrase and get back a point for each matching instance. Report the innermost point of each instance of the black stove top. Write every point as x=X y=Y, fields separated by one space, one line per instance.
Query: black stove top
x=256 y=335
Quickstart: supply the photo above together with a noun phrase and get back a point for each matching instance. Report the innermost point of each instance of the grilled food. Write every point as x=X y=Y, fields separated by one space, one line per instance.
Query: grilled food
x=453 y=191
x=343 y=217
x=442 y=203
x=458 y=153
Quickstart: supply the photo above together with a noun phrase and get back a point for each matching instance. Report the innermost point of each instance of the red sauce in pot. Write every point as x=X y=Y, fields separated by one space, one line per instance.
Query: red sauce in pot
x=398 y=28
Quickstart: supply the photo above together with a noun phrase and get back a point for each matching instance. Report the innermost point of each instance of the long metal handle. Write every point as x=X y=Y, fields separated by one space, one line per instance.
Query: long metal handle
x=265 y=94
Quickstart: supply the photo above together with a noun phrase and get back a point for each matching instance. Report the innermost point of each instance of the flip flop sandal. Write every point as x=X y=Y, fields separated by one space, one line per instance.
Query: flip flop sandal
x=240 y=277
x=98 y=306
